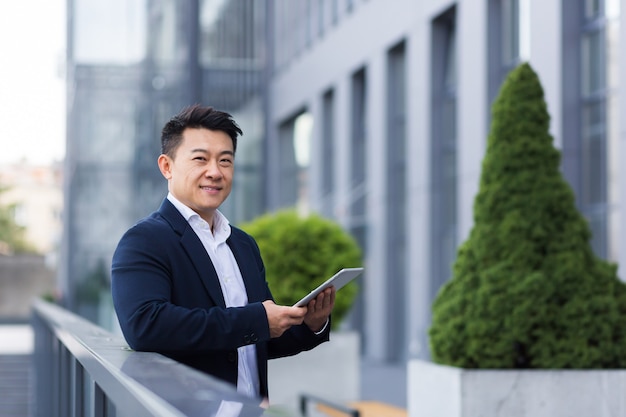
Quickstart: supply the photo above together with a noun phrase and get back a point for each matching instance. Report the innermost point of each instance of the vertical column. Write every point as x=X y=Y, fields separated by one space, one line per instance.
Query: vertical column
x=375 y=280
x=473 y=107
x=418 y=173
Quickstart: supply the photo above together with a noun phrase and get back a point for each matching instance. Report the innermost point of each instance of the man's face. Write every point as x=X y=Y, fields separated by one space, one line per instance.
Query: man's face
x=200 y=174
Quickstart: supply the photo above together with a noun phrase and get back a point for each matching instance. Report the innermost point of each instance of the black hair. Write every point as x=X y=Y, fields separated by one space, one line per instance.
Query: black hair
x=197 y=116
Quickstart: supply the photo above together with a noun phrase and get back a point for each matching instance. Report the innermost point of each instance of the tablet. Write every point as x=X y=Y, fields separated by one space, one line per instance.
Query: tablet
x=338 y=280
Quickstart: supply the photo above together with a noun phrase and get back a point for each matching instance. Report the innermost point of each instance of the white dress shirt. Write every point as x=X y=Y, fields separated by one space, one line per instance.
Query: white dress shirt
x=231 y=281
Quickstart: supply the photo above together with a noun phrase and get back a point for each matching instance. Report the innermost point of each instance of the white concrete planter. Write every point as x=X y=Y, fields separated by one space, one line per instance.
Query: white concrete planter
x=330 y=371
x=444 y=391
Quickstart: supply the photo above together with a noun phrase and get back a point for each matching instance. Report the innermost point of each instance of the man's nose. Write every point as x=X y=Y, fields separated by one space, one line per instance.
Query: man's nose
x=213 y=170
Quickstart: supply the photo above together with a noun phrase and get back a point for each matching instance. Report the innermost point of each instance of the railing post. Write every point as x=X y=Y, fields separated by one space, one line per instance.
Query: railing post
x=43 y=364
x=98 y=402
x=55 y=383
x=78 y=389
x=64 y=381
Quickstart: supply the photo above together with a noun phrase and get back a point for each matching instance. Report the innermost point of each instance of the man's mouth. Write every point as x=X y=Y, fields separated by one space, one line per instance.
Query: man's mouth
x=210 y=188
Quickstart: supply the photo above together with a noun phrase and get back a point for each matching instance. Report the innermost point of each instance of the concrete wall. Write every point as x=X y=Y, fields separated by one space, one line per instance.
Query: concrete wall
x=22 y=278
x=446 y=391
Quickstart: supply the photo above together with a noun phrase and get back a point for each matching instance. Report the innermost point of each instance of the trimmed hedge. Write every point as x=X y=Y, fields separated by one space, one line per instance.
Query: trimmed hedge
x=527 y=290
x=302 y=252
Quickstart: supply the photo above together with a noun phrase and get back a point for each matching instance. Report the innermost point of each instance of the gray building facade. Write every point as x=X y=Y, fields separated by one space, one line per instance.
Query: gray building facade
x=398 y=94
x=374 y=113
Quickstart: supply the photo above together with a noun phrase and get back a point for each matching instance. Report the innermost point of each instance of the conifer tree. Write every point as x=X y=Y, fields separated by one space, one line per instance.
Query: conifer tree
x=527 y=290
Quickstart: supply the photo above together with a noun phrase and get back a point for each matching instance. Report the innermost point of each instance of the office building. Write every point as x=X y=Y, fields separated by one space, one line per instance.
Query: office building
x=374 y=113
x=398 y=94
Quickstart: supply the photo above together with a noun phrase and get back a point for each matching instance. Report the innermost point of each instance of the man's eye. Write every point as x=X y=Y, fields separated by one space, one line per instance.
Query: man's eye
x=199 y=158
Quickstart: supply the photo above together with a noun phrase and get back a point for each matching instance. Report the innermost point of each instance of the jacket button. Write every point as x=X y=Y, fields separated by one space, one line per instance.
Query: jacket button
x=232 y=357
x=253 y=338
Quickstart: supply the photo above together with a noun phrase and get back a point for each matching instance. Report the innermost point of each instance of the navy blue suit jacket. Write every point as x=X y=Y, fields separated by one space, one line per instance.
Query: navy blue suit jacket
x=168 y=299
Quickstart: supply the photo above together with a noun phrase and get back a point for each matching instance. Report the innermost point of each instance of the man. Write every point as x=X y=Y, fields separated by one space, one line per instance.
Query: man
x=188 y=285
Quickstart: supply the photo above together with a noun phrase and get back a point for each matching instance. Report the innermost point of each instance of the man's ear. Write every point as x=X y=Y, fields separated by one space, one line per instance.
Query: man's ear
x=165 y=166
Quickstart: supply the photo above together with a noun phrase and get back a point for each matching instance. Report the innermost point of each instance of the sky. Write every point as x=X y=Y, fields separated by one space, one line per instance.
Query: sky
x=32 y=86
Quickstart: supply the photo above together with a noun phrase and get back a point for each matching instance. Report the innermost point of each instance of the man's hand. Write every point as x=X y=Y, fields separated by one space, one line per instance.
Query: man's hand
x=319 y=309
x=281 y=318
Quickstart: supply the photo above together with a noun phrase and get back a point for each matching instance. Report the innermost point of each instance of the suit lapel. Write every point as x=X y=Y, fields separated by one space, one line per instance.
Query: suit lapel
x=244 y=255
x=201 y=261
x=195 y=251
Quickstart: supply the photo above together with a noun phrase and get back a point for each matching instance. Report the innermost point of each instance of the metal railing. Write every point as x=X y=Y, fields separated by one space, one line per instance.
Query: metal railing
x=84 y=370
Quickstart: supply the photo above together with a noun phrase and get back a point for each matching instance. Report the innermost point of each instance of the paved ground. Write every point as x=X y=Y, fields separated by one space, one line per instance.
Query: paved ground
x=383 y=382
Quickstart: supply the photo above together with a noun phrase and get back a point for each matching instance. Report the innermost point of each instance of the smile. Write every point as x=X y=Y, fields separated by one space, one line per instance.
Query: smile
x=209 y=188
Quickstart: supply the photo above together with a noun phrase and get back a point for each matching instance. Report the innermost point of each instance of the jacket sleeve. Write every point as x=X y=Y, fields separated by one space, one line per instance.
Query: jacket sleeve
x=162 y=305
x=297 y=339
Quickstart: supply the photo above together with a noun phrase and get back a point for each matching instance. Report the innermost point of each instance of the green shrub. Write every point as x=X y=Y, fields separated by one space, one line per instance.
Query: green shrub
x=527 y=290
x=302 y=252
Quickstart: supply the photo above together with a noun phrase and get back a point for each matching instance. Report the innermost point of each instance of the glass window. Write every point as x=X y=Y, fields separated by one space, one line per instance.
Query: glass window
x=358 y=142
x=596 y=137
x=504 y=42
x=166 y=44
x=246 y=199
x=111 y=32
x=107 y=132
x=593 y=62
x=288 y=174
x=592 y=8
x=612 y=8
x=593 y=151
x=229 y=33
x=328 y=152
x=510 y=33
x=444 y=148
x=294 y=157
x=303 y=126
x=396 y=197
x=598 y=223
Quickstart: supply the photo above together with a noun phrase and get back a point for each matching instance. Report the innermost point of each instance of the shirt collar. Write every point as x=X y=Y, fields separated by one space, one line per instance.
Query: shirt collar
x=221 y=225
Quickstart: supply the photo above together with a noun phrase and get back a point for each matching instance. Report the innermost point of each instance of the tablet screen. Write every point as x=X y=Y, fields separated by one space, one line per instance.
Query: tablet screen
x=338 y=280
